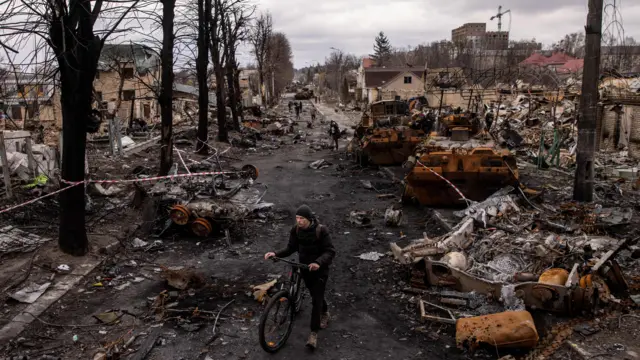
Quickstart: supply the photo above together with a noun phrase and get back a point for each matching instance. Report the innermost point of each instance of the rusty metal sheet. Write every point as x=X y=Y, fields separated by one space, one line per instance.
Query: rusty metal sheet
x=554 y=276
x=511 y=329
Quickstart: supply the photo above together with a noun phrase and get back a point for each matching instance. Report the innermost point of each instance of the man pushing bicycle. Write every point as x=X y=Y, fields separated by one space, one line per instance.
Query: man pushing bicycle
x=313 y=243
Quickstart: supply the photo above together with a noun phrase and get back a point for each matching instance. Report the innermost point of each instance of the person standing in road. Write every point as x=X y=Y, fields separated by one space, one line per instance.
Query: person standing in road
x=290 y=106
x=313 y=114
x=297 y=111
x=334 y=132
x=313 y=244
x=488 y=120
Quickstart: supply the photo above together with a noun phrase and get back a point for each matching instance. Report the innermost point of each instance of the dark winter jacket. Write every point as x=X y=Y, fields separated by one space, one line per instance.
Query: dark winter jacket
x=312 y=246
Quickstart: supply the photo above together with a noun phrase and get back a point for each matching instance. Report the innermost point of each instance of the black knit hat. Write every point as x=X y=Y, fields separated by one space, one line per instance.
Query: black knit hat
x=305 y=212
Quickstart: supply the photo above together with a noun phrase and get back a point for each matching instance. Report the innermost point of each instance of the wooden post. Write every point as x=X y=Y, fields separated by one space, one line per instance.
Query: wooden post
x=33 y=166
x=583 y=181
x=5 y=166
x=118 y=135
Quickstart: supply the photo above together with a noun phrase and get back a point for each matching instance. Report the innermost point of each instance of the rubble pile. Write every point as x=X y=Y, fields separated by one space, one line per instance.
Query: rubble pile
x=515 y=255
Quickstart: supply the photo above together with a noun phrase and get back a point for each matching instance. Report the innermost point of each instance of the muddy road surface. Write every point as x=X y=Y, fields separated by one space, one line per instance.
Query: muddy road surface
x=371 y=318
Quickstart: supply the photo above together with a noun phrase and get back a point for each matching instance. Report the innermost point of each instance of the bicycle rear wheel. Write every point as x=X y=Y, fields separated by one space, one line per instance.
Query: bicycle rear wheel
x=276 y=323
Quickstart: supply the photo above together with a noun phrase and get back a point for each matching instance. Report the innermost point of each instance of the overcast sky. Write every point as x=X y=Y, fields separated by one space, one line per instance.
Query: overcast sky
x=313 y=26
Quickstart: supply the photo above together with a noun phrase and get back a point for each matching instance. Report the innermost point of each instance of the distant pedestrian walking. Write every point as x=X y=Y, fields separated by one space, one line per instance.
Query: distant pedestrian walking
x=334 y=132
x=297 y=112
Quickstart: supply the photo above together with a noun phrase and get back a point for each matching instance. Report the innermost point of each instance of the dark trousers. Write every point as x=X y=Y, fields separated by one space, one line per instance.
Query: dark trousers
x=316 y=283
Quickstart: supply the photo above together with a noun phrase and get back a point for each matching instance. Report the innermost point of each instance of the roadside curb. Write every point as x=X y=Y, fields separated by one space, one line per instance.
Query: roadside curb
x=61 y=287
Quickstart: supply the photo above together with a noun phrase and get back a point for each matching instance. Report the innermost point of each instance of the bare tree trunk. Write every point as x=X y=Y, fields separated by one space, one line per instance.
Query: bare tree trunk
x=166 y=92
x=132 y=111
x=262 y=88
x=120 y=89
x=204 y=16
x=233 y=99
x=583 y=182
x=236 y=85
x=223 y=133
x=77 y=71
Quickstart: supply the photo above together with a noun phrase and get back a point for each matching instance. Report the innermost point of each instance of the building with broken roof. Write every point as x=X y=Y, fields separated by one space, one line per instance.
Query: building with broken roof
x=29 y=100
x=618 y=116
x=621 y=58
x=125 y=81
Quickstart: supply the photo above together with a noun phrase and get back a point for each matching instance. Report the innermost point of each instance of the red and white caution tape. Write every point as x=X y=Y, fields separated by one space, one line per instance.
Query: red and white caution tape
x=38 y=199
x=448 y=182
x=154 y=178
x=76 y=183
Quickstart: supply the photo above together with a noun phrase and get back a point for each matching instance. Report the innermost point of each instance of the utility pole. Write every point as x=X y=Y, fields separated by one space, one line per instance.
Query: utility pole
x=583 y=182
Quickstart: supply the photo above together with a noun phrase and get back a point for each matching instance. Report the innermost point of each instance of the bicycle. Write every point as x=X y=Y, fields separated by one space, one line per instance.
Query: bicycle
x=290 y=300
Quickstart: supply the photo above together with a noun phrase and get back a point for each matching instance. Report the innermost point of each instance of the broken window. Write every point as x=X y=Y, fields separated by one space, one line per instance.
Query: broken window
x=128 y=95
x=407 y=79
x=16 y=112
x=127 y=73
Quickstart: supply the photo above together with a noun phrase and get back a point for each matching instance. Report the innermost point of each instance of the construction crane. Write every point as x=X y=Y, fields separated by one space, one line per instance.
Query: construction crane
x=499 y=16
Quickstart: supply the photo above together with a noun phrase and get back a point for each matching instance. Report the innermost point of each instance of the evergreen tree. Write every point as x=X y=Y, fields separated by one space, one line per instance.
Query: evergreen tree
x=382 y=50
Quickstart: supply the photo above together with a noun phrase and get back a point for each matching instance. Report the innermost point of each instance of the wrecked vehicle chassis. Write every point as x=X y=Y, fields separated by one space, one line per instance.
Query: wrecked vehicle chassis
x=570 y=298
x=204 y=214
x=387 y=146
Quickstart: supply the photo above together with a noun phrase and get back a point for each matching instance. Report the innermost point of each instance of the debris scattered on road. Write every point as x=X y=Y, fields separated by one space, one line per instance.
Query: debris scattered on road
x=260 y=291
x=320 y=164
x=30 y=293
x=181 y=278
x=370 y=256
x=393 y=217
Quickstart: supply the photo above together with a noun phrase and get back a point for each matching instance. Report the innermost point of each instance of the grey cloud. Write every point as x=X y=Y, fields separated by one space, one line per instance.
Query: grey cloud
x=315 y=26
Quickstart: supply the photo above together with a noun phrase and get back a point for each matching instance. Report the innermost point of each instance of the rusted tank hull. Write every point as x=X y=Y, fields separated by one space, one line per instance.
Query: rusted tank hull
x=390 y=146
x=388 y=155
x=477 y=174
x=511 y=329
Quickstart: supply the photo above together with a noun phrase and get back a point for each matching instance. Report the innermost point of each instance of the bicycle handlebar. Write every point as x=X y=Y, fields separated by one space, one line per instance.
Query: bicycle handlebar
x=292 y=263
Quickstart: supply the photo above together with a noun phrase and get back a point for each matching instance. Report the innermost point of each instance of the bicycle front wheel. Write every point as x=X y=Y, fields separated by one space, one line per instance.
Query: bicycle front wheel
x=276 y=322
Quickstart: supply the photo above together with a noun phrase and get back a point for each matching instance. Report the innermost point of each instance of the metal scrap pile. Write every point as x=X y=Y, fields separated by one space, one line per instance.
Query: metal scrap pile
x=207 y=204
x=508 y=255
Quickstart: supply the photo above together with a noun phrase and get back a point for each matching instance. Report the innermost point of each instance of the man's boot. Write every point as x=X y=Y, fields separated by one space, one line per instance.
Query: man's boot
x=312 y=343
x=324 y=320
